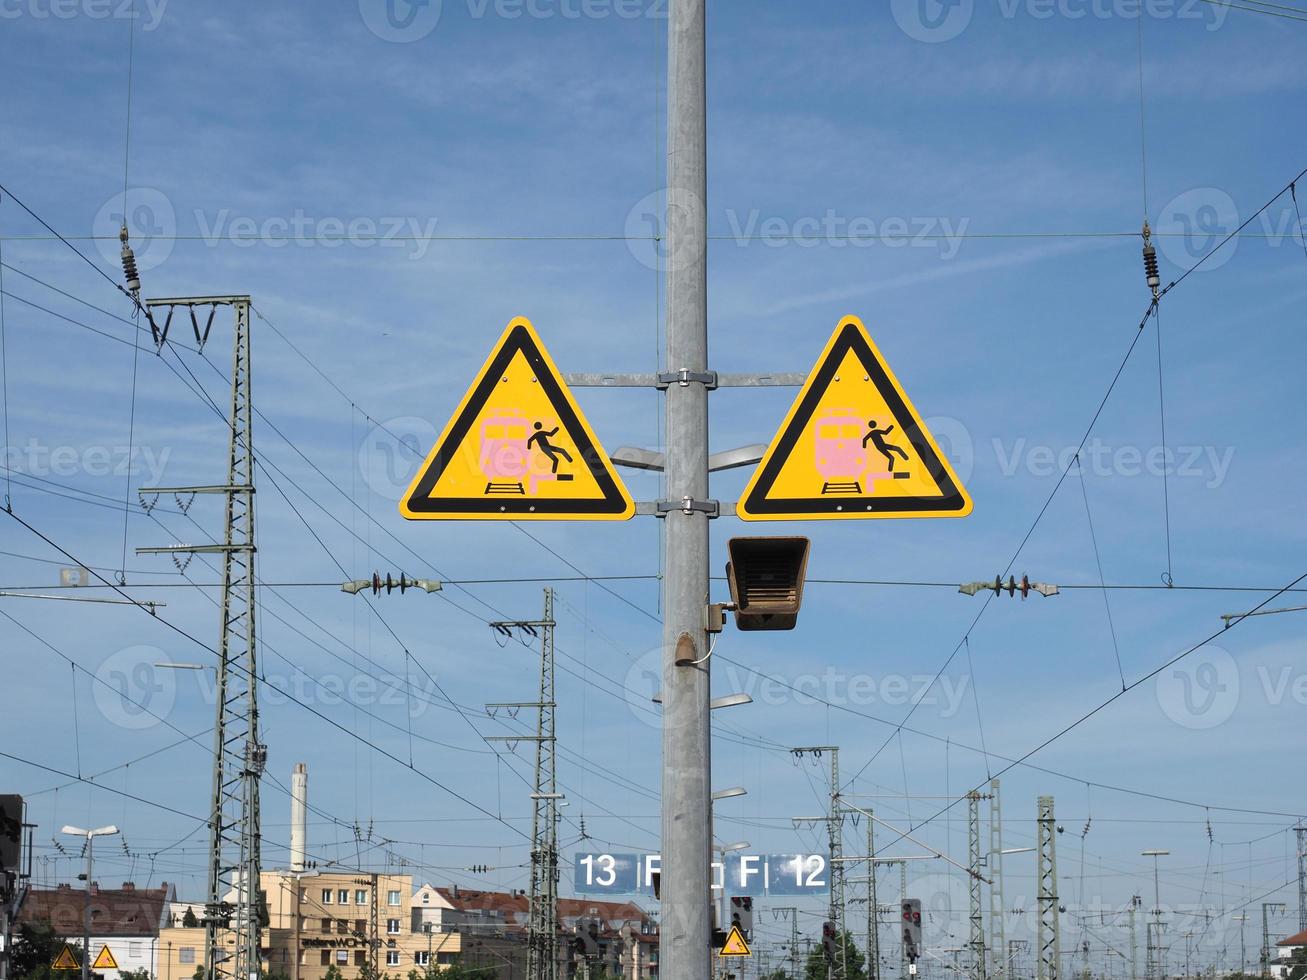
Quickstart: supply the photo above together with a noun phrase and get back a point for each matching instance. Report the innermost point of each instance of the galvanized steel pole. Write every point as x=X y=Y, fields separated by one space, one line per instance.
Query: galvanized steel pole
x=685 y=932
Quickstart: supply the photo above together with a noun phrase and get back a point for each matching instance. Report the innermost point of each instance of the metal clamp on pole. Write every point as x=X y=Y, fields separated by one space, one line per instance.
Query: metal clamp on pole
x=688 y=505
x=684 y=376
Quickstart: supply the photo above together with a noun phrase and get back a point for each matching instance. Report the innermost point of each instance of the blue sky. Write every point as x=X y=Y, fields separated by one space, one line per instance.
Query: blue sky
x=504 y=159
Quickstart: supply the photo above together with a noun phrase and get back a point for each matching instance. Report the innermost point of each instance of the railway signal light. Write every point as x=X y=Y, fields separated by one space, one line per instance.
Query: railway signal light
x=742 y=914
x=912 y=928
x=766 y=577
x=828 y=941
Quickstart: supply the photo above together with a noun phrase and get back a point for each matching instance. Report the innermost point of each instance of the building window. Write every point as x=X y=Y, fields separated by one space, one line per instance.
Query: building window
x=422 y=959
x=360 y=926
x=426 y=898
x=304 y=894
x=361 y=897
x=392 y=957
x=326 y=957
x=342 y=927
x=134 y=951
x=342 y=896
x=326 y=896
x=392 y=927
x=359 y=957
x=342 y=956
x=392 y=897
x=186 y=954
x=326 y=925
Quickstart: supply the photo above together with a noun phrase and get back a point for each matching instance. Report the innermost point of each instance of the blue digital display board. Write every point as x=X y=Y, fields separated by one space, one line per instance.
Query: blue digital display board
x=758 y=875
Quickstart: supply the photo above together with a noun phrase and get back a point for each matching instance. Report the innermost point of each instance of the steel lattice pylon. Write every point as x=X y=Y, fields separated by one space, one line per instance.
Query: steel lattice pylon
x=1049 y=952
x=835 y=827
x=1301 y=833
x=997 y=924
x=233 y=902
x=977 y=938
x=542 y=958
x=542 y=934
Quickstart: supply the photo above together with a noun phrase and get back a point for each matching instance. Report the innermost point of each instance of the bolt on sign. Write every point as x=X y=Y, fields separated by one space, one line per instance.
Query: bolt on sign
x=853 y=446
x=518 y=448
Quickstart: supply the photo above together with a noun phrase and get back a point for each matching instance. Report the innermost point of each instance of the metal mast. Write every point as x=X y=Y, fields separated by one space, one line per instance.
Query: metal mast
x=1135 y=904
x=542 y=928
x=997 y=923
x=903 y=895
x=239 y=756
x=685 y=932
x=1301 y=831
x=873 y=907
x=835 y=828
x=1050 y=934
x=977 y=916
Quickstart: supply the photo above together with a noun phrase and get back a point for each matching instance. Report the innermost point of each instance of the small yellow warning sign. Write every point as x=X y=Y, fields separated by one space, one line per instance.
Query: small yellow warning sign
x=735 y=944
x=852 y=446
x=66 y=960
x=104 y=960
x=518 y=448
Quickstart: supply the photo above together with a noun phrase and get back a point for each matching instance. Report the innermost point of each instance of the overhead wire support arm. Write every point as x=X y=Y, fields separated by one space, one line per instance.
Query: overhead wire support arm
x=904 y=835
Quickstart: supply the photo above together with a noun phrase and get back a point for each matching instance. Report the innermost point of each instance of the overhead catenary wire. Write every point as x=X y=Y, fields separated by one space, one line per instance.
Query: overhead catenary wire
x=1098 y=561
x=1080 y=446
x=287 y=694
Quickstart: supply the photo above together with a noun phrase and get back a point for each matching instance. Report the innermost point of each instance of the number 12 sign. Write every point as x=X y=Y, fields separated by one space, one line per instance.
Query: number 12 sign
x=759 y=875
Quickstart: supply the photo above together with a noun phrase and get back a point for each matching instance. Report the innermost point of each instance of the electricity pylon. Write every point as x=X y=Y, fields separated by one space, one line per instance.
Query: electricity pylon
x=239 y=758
x=542 y=935
x=1050 y=933
x=997 y=921
x=1301 y=831
x=834 y=825
x=977 y=940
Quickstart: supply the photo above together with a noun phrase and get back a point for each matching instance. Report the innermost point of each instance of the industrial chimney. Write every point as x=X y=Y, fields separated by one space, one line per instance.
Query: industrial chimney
x=299 y=803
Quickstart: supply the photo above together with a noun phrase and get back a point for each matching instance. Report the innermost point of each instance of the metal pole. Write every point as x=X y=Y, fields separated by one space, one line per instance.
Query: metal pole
x=1301 y=833
x=997 y=914
x=903 y=895
x=685 y=934
x=1135 y=902
x=977 y=938
x=1049 y=951
x=86 y=912
x=873 y=907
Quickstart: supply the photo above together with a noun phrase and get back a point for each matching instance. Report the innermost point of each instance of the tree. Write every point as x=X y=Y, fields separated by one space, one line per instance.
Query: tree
x=35 y=948
x=141 y=974
x=189 y=920
x=816 y=965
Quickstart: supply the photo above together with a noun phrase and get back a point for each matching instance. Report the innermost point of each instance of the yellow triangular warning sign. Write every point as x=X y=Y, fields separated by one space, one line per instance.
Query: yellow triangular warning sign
x=66 y=960
x=518 y=448
x=735 y=944
x=104 y=960
x=852 y=446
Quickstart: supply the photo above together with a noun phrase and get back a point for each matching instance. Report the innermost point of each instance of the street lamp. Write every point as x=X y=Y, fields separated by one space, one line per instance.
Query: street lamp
x=89 y=836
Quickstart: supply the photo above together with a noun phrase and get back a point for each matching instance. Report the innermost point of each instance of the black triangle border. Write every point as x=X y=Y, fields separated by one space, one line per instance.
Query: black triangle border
x=759 y=504
x=519 y=339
